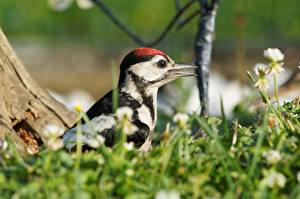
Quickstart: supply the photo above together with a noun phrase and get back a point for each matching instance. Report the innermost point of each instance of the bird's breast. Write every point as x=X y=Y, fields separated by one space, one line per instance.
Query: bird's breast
x=144 y=115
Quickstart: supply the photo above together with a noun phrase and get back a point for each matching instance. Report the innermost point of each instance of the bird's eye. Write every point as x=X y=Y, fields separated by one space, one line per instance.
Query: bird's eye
x=162 y=63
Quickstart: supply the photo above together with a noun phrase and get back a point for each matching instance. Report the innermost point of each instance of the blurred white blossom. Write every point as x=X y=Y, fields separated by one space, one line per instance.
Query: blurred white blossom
x=273 y=55
x=298 y=176
x=275 y=68
x=93 y=143
x=129 y=128
x=52 y=130
x=100 y=139
x=101 y=160
x=262 y=83
x=31 y=149
x=55 y=144
x=276 y=179
x=272 y=156
x=124 y=113
x=260 y=69
x=60 y=5
x=3 y=145
x=96 y=141
x=129 y=172
x=181 y=119
x=129 y=146
x=53 y=133
x=84 y=4
x=164 y=194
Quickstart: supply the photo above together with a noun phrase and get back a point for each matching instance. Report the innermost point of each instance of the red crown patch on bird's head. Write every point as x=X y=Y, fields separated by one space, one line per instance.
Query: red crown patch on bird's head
x=140 y=52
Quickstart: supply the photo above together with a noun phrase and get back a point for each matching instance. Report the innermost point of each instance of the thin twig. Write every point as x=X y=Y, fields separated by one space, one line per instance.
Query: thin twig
x=178 y=6
x=185 y=21
x=134 y=36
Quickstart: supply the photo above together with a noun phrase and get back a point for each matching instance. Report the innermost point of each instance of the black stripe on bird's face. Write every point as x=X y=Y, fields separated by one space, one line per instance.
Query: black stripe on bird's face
x=129 y=60
x=141 y=85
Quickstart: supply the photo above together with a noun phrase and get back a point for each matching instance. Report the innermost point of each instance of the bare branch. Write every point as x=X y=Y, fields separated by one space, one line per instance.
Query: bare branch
x=185 y=21
x=134 y=36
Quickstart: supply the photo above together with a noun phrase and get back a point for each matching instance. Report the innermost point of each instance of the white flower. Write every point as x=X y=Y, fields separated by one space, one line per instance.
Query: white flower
x=55 y=144
x=273 y=54
x=60 y=5
x=52 y=130
x=181 y=119
x=276 y=179
x=100 y=139
x=96 y=141
x=101 y=160
x=129 y=172
x=260 y=69
x=3 y=145
x=32 y=149
x=85 y=4
x=298 y=177
x=272 y=156
x=262 y=83
x=128 y=146
x=129 y=128
x=124 y=113
x=93 y=143
x=275 y=68
x=163 y=194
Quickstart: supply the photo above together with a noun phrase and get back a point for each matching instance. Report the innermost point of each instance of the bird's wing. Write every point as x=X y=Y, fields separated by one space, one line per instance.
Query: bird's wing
x=102 y=106
x=89 y=132
x=105 y=104
x=102 y=122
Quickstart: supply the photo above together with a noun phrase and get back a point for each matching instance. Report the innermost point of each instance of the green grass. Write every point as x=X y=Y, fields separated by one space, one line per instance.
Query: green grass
x=228 y=163
x=258 y=157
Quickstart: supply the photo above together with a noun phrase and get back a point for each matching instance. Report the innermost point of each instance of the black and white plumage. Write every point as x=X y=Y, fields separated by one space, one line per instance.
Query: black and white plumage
x=142 y=72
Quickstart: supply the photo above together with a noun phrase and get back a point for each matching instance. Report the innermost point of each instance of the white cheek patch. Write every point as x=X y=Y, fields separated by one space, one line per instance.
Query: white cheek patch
x=149 y=70
x=98 y=124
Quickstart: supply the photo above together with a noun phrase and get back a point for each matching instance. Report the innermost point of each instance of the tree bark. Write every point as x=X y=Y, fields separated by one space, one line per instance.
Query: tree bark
x=25 y=108
x=203 y=49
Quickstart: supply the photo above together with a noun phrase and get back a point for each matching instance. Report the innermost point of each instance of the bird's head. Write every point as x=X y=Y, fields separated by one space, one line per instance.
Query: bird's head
x=148 y=67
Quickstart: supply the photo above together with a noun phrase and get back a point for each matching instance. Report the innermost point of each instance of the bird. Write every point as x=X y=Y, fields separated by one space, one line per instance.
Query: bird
x=142 y=72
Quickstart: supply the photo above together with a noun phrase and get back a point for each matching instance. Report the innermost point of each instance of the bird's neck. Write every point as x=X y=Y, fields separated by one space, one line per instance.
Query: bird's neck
x=147 y=97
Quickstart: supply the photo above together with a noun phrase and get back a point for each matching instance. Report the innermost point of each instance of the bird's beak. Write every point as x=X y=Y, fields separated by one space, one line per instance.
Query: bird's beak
x=181 y=70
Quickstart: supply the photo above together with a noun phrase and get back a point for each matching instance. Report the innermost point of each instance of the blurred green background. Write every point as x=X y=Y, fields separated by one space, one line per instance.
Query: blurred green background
x=267 y=20
x=85 y=42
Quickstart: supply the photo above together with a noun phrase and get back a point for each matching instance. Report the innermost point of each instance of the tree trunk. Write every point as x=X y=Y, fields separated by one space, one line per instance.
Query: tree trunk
x=203 y=49
x=25 y=108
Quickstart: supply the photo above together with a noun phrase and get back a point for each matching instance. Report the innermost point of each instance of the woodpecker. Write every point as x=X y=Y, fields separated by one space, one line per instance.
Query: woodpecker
x=142 y=72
